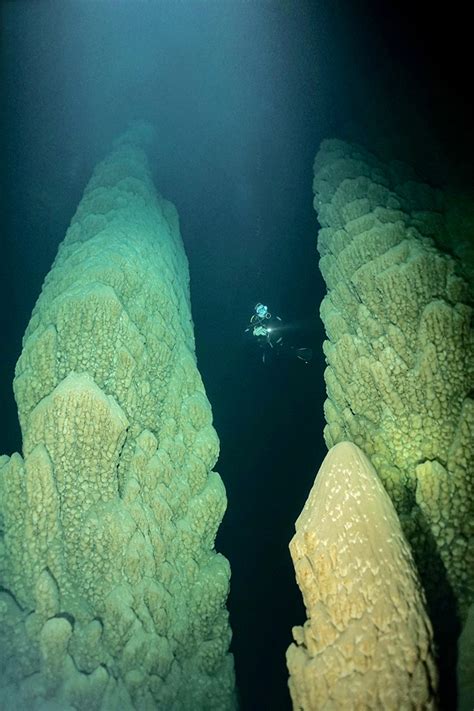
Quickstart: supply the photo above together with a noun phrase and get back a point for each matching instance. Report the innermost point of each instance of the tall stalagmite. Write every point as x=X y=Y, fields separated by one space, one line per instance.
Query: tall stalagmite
x=400 y=354
x=112 y=593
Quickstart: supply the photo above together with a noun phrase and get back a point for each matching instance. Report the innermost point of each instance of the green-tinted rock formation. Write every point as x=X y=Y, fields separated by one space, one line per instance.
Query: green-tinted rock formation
x=400 y=355
x=113 y=596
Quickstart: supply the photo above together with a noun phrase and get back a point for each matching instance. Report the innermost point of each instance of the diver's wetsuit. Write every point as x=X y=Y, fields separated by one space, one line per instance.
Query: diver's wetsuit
x=274 y=346
x=267 y=329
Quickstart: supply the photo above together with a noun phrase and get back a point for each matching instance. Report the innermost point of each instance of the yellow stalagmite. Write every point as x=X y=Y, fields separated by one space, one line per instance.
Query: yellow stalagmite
x=367 y=642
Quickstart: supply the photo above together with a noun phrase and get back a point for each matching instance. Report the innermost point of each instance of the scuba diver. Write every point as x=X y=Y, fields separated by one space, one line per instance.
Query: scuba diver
x=267 y=329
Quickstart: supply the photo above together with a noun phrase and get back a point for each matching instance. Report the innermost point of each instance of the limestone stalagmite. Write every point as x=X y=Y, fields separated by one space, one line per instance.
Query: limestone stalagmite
x=400 y=354
x=113 y=596
x=367 y=641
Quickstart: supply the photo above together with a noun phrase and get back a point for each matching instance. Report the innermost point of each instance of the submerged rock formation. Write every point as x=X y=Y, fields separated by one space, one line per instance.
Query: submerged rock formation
x=367 y=642
x=400 y=376
x=400 y=354
x=112 y=593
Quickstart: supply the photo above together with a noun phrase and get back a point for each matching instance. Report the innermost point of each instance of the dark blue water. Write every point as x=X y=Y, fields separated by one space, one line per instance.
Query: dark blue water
x=241 y=94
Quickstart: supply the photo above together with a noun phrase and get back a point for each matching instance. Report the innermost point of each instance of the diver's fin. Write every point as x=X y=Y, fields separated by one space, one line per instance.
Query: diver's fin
x=304 y=354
